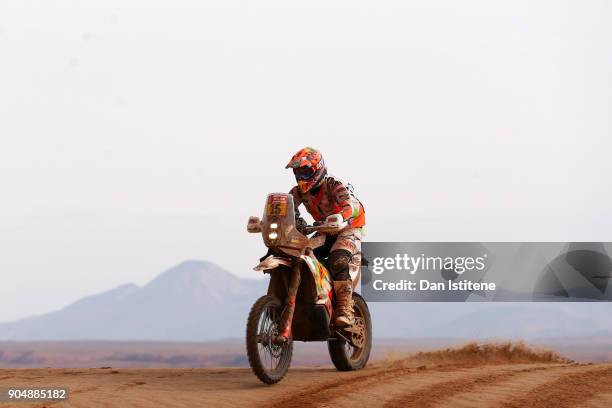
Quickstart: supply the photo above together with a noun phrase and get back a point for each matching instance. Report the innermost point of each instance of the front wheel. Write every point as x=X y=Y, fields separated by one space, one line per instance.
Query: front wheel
x=344 y=355
x=269 y=361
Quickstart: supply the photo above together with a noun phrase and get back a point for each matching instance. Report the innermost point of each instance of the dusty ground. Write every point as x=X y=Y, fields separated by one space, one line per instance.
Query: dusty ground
x=472 y=376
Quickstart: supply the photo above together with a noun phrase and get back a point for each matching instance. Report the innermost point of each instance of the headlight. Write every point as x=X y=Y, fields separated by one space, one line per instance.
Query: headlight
x=274 y=225
x=273 y=235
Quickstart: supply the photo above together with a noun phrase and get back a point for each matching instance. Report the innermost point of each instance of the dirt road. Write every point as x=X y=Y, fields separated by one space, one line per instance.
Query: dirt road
x=380 y=385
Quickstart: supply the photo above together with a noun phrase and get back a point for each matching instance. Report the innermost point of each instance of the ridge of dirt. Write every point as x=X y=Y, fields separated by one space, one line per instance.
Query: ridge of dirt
x=570 y=390
x=490 y=353
x=427 y=397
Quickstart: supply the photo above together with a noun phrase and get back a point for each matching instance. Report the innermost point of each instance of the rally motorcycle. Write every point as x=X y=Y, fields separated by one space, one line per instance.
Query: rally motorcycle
x=299 y=304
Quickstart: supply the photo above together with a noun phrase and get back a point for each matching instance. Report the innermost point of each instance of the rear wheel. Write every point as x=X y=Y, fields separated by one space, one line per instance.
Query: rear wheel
x=344 y=355
x=269 y=361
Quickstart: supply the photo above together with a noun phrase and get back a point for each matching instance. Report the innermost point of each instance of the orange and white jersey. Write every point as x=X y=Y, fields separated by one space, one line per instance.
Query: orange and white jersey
x=331 y=197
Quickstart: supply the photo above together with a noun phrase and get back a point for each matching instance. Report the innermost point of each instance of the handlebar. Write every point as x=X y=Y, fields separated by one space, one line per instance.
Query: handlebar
x=309 y=229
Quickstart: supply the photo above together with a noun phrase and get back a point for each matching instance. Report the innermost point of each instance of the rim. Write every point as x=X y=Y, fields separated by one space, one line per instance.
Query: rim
x=271 y=356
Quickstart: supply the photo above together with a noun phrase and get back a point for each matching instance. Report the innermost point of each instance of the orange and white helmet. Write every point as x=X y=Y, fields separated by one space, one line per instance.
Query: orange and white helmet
x=308 y=167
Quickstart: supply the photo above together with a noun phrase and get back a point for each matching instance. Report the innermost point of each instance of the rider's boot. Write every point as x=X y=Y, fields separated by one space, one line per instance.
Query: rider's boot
x=344 y=303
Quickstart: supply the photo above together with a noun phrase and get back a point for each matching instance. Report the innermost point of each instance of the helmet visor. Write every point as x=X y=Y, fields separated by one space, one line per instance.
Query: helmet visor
x=303 y=173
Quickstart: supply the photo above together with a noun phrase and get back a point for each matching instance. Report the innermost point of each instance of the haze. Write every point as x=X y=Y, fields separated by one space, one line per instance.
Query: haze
x=137 y=134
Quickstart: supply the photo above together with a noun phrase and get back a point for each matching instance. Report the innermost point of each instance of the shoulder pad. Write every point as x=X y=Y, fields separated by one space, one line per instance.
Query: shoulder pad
x=333 y=181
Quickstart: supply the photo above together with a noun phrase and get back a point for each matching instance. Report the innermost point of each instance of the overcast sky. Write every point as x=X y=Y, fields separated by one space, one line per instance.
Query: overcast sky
x=137 y=134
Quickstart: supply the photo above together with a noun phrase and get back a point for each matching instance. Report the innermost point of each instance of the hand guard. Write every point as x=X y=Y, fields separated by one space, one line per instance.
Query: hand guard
x=335 y=222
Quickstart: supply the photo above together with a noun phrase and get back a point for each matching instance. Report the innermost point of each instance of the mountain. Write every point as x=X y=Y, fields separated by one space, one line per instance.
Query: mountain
x=193 y=301
x=485 y=320
x=200 y=301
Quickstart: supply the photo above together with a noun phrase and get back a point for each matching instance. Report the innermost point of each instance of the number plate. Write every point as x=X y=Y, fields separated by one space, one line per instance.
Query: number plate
x=277 y=205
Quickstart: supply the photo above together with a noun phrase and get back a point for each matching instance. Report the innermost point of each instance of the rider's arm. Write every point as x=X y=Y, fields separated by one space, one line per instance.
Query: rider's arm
x=297 y=200
x=348 y=206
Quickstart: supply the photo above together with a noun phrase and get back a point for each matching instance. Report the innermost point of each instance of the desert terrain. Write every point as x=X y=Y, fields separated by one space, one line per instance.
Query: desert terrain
x=473 y=375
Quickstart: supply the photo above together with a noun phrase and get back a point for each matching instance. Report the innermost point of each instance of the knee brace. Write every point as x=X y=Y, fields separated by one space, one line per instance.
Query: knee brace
x=339 y=260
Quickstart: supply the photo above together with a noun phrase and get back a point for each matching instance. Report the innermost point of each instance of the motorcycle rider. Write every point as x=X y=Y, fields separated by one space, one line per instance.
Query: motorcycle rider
x=324 y=195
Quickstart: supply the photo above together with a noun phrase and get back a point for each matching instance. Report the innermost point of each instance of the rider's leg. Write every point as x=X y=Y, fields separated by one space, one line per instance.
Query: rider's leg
x=322 y=252
x=339 y=260
x=344 y=253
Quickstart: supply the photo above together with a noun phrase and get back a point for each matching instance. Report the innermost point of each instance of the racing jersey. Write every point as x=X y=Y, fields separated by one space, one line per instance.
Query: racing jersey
x=331 y=197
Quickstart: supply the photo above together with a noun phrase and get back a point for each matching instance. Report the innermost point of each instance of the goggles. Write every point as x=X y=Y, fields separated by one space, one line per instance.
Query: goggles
x=303 y=173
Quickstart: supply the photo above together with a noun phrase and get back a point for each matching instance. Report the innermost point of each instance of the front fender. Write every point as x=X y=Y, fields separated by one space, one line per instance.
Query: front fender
x=271 y=262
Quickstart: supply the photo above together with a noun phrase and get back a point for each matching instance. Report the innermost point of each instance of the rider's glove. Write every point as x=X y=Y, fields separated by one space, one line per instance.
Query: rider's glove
x=300 y=224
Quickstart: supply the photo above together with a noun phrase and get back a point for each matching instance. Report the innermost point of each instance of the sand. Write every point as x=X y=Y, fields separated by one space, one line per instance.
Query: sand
x=438 y=379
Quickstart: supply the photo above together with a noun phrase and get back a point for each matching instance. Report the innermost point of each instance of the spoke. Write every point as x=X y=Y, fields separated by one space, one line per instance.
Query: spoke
x=271 y=355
